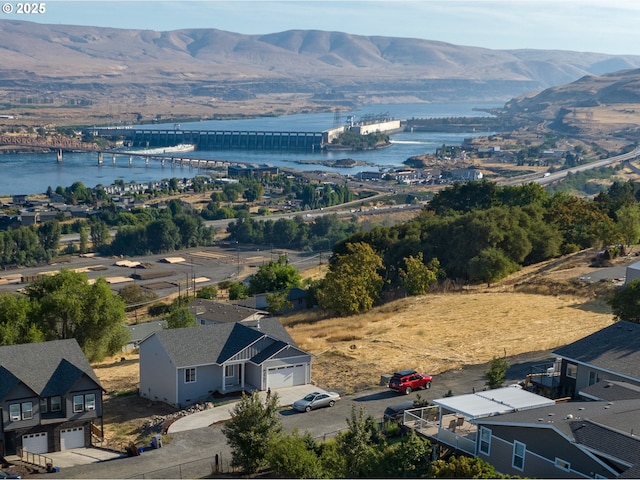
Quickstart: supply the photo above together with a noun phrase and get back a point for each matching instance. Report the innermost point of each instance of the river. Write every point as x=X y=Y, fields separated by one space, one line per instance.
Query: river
x=34 y=173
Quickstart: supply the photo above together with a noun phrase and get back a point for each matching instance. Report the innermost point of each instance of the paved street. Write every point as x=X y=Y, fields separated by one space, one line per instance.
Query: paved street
x=192 y=453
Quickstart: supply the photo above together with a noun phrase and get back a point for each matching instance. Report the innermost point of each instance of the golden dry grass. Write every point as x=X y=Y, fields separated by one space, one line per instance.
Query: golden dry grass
x=435 y=333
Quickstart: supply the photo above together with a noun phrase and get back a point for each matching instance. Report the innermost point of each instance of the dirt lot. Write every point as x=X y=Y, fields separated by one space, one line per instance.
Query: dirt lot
x=433 y=333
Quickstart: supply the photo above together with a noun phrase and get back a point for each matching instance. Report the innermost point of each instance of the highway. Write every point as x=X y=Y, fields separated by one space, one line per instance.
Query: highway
x=560 y=174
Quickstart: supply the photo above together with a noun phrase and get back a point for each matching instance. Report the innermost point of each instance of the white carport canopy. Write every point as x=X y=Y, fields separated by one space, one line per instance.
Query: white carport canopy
x=493 y=402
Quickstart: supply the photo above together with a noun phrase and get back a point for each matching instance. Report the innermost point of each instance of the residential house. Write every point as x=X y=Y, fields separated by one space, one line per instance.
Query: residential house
x=140 y=331
x=451 y=422
x=210 y=312
x=612 y=353
x=565 y=440
x=184 y=366
x=50 y=397
x=297 y=298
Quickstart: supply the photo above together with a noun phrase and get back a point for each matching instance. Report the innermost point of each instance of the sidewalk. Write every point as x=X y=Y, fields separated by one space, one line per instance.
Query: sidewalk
x=223 y=412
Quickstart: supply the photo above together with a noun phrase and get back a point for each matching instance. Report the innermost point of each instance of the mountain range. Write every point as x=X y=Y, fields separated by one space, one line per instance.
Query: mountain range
x=50 y=59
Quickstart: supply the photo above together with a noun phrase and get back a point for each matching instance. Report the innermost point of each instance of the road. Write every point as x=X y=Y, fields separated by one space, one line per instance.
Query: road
x=191 y=454
x=555 y=176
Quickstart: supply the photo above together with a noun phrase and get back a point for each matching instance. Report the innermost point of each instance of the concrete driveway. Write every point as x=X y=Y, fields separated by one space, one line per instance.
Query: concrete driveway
x=222 y=412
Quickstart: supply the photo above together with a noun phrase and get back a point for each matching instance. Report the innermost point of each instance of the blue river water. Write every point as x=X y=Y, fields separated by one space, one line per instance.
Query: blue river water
x=34 y=173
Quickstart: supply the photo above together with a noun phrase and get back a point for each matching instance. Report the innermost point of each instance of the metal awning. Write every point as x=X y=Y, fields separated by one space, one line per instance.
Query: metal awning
x=493 y=402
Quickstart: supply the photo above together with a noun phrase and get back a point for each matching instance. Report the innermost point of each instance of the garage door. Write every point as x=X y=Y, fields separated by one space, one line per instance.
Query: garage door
x=35 y=443
x=289 y=376
x=72 y=438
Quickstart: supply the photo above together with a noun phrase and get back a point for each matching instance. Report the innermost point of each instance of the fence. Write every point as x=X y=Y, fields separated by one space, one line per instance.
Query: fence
x=203 y=468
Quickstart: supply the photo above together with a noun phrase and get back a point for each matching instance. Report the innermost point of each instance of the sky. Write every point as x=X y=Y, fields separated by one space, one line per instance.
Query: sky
x=605 y=26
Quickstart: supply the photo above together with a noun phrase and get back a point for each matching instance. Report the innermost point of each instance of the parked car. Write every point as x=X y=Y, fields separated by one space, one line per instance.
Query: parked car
x=316 y=400
x=7 y=475
x=395 y=413
x=406 y=381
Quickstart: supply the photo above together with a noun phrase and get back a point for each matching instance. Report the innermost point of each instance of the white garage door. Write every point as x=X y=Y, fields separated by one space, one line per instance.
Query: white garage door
x=289 y=376
x=35 y=443
x=72 y=438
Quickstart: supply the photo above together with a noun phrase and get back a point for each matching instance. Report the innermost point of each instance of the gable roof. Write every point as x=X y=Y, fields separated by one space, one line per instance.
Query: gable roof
x=615 y=349
x=604 y=427
x=214 y=344
x=47 y=368
x=221 y=312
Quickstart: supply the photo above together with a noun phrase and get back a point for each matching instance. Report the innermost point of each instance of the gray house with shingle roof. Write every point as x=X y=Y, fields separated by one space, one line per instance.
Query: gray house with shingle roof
x=50 y=397
x=612 y=353
x=184 y=366
x=209 y=312
x=565 y=440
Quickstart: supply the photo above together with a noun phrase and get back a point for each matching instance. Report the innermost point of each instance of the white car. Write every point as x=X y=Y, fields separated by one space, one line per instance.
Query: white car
x=316 y=400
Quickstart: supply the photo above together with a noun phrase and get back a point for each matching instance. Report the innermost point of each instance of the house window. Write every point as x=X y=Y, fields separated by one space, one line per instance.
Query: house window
x=27 y=411
x=572 y=370
x=14 y=412
x=519 y=450
x=56 y=404
x=78 y=403
x=593 y=377
x=562 y=464
x=229 y=370
x=90 y=401
x=44 y=407
x=189 y=375
x=485 y=440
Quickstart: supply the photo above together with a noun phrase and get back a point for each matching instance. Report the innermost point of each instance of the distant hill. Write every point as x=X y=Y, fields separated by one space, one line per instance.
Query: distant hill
x=592 y=105
x=62 y=63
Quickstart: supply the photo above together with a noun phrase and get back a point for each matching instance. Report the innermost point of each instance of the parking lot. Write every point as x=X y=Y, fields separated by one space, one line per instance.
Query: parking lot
x=169 y=273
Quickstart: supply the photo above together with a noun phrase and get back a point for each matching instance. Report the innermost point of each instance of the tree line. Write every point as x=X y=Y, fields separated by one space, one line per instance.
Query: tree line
x=475 y=232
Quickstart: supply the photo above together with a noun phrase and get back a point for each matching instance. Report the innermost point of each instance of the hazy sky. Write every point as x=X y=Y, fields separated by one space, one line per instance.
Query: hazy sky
x=607 y=26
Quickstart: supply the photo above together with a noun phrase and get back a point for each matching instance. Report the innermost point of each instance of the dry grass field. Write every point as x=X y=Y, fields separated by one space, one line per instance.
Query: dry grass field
x=539 y=308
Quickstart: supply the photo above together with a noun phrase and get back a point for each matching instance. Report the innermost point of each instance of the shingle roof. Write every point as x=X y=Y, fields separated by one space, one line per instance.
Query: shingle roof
x=221 y=312
x=615 y=348
x=606 y=427
x=611 y=390
x=47 y=368
x=213 y=344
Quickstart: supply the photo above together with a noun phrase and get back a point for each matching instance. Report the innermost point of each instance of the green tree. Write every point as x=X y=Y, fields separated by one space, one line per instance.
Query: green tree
x=180 y=317
x=274 y=276
x=251 y=430
x=99 y=233
x=15 y=321
x=625 y=302
x=352 y=284
x=208 y=292
x=628 y=223
x=294 y=456
x=462 y=467
x=418 y=277
x=277 y=302
x=491 y=264
x=49 y=235
x=409 y=458
x=66 y=306
x=237 y=291
x=356 y=445
x=84 y=239
x=497 y=372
